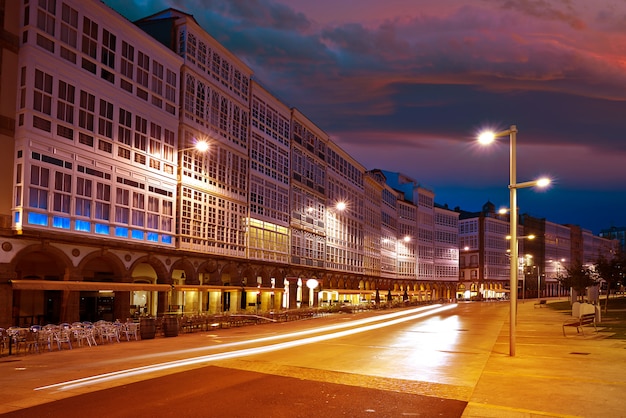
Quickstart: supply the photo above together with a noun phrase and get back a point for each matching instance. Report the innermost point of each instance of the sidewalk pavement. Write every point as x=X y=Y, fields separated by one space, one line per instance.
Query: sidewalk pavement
x=550 y=375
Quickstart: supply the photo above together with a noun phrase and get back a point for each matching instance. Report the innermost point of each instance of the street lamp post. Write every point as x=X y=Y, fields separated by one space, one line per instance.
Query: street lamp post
x=486 y=138
x=513 y=232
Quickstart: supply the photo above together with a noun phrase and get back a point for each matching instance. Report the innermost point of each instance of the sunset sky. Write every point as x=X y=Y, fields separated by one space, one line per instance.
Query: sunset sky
x=405 y=85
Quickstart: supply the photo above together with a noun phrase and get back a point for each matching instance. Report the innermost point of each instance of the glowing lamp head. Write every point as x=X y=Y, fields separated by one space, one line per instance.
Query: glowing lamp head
x=341 y=206
x=202 y=146
x=543 y=182
x=486 y=137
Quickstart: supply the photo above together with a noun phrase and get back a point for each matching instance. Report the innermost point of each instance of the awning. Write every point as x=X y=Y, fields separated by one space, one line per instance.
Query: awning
x=87 y=286
x=198 y=287
x=214 y=288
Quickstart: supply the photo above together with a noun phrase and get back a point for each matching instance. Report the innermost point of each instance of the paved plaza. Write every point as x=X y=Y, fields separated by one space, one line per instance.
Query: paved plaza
x=551 y=375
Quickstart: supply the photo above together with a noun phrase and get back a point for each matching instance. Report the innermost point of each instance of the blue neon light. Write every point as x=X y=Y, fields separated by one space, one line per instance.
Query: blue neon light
x=61 y=222
x=121 y=232
x=83 y=226
x=103 y=229
x=37 y=219
x=137 y=234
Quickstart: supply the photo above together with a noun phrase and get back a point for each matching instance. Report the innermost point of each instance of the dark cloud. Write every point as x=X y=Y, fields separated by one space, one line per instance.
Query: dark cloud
x=562 y=10
x=246 y=13
x=470 y=46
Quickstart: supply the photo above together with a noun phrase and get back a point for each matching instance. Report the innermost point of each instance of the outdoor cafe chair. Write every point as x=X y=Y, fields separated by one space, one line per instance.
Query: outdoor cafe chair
x=47 y=335
x=17 y=337
x=130 y=329
x=63 y=335
x=32 y=337
x=108 y=332
x=84 y=334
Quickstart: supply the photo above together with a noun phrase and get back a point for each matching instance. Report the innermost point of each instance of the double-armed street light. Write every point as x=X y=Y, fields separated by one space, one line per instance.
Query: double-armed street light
x=486 y=138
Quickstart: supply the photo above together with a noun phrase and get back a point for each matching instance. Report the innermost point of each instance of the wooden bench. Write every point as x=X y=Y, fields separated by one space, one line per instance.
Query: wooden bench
x=580 y=322
x=542 y=303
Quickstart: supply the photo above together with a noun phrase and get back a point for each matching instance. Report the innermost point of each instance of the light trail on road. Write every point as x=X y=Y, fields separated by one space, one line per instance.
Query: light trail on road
x=362 y=326
x=318 y=330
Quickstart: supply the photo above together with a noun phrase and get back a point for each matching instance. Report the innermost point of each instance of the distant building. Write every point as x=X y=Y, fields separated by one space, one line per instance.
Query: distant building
x=547 y=256
x=616 y=233
x=546 y=250
x=484 y=271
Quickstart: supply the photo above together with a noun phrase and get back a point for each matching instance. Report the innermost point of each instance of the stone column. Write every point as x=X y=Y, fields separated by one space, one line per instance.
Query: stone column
x=70 y=300
x=6 y=295
x=293 y=293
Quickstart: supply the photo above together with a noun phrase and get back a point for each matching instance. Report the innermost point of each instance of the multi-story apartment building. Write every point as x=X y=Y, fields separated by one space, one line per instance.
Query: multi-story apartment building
x=373 y=184
x=433 y=239
x=308 y=205
x=213 y=183
x=389 y=232
x=268 y=223
x=546 y=249
x=406 y=239
x=446 y=245
x=547 y=255
x=268 y=226
x=558 y=247
x=344 y=222
x=484 y=257
x=425 y=201
x=94 y=160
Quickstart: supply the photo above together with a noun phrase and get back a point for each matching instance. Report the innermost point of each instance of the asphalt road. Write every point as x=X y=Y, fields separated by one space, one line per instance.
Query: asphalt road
x=422 y=362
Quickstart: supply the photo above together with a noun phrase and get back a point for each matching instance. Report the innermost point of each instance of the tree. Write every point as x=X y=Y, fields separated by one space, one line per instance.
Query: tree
x=578 y=278
x=612 y=271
